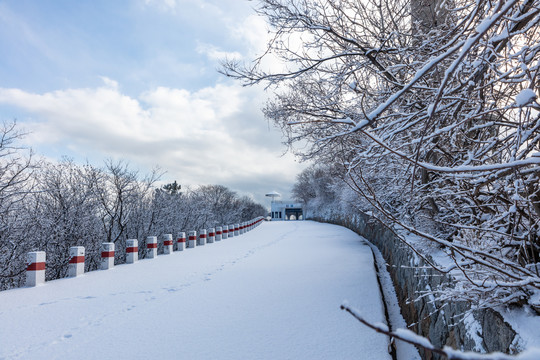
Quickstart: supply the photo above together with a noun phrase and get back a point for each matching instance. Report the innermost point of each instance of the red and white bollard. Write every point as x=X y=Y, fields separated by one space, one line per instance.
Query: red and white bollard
x=76 y=261
x=107 y=256
x=151 y=247
x=192 y=239
x=202 y=237
x=225 y=233
x=231 y=231
x=181 y=241
x=35 y=271
x=236 y=229
x=211 y=235
x=218 y=233
x=132 y=251
x=167 y=244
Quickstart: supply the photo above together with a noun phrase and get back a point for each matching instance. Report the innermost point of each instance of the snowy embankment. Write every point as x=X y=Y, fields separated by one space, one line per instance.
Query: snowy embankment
x=272 y=293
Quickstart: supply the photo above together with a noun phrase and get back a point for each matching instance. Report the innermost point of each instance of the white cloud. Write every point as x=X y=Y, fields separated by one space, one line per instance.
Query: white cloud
x=112 y=84
x=214 y=53
x=213 y=135
x=157 y=102
x=252 y=30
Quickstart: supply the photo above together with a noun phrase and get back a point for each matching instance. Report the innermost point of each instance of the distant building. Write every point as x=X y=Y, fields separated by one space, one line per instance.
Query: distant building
x=284 y=210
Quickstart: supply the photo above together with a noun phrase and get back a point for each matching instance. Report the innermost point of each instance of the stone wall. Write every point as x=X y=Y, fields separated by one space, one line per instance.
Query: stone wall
x=443 y=324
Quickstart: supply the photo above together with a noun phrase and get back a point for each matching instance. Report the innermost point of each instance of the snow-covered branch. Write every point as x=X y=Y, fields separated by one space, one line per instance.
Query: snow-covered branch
x=412 y=338
x=428 y=110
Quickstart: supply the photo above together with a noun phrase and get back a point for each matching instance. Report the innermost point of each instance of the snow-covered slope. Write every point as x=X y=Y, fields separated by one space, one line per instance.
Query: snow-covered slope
x=272 y=293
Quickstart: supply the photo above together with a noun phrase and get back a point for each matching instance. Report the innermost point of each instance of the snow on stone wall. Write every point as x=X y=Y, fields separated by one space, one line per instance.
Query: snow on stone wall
x=442 y=324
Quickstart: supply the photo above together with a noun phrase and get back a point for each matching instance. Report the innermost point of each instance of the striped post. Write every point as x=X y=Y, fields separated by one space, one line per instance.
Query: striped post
x=151 y=247
x=241 y=228
x=132 y=251
x=181 y=241
x=225 y=233
x=35 y=271
x=211 y=235
x=202 y=237
x=236 y=229
x=167 y=244
x=192 y=239
x=76 y=261
x=107 y=256
x=231 y=231
x=218 y=233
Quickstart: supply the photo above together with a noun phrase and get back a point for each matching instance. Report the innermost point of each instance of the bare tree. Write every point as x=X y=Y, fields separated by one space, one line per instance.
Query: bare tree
x=432 y=113
x=64 y=212
x=16 y=169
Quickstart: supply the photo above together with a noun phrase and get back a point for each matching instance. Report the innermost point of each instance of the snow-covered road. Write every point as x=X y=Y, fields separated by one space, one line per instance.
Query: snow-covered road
x=272 y=293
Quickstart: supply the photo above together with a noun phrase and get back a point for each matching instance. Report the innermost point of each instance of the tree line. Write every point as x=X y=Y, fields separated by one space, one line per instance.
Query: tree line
x=50 y=206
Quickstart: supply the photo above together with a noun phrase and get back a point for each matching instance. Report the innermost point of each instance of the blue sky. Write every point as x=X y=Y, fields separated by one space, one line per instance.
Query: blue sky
x=137 y=80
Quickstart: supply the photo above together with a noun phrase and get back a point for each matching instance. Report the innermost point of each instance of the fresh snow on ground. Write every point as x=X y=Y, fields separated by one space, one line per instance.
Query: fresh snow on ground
x=272 y=293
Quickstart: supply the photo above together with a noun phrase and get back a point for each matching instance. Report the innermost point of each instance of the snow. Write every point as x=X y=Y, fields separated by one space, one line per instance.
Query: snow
x=535 y=298
x=272 y=293
x=474 y=331
x=404 y=351
x=526 y=323
x=525 y=97
x=523 y=320
x=408 y=335
x=530 y=354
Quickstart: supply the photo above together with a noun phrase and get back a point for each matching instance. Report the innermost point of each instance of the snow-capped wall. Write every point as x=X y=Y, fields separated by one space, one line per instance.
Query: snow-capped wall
x=443 y=324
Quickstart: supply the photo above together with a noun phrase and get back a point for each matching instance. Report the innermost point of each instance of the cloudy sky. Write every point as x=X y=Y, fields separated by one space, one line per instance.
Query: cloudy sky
x=137 y=80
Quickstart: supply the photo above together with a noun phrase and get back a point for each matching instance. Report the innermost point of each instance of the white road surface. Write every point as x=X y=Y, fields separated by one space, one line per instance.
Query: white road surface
x=272 y=293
